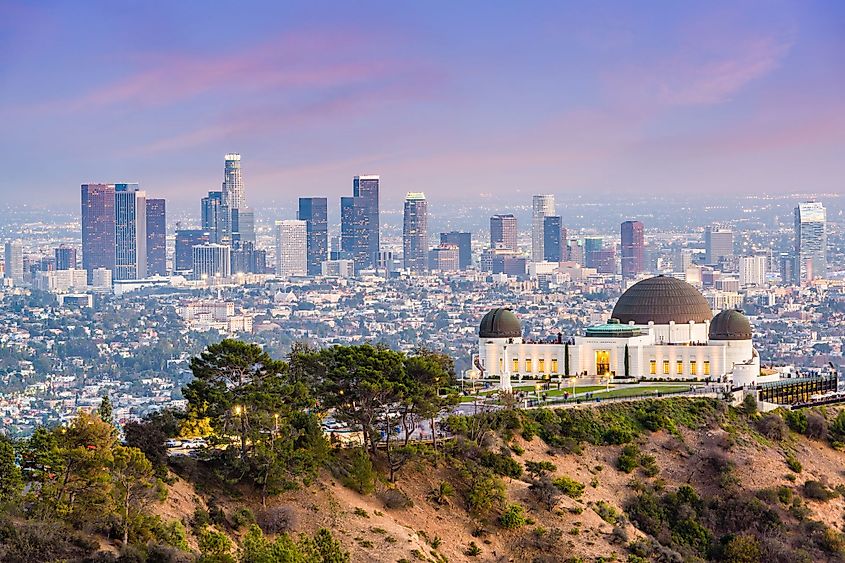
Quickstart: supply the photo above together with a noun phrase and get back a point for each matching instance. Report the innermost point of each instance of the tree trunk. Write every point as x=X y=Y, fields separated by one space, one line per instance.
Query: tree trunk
x=126 y=518
x=433 y=435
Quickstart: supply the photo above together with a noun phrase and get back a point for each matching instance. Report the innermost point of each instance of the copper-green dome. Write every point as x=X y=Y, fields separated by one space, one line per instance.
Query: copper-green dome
x=500 y=323
x=730 y=325
x=662 y=299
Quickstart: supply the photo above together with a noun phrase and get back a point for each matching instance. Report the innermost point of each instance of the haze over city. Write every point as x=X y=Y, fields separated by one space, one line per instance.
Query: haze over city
x=456 y=100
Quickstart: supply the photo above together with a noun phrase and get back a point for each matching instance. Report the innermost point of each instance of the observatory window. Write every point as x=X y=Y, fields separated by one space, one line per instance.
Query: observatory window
x=528 y=367
x=516 y=365
x=554 y=365
x=652 y=367
x=693 y=367
x=679 y=367
x=665 y=367
x=541 y=365
x=706 y=367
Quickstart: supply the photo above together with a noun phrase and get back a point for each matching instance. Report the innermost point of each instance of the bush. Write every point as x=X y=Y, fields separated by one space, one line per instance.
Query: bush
x=569 y=487
x=607 y=512
x=629 y=459
x=394 y=498
x=793 y=464
x=442 y=493
x=817 y=491
x=472 y=550
x=743 y=548
x=484 y=492
x=797 y=421
x=649 y=465
x=837 y=428
x=513 y=517
x=501 y=464
x=772 y=427
x=362 y=476
x=545 y=492
x=276 y=520
x=749 y=404
x=214 y=544
x=539 y=468
x=816 y=426
x=242 y=517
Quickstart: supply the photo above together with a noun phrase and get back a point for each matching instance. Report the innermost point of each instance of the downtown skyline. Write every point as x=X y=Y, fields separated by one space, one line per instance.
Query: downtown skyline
x=498 y=102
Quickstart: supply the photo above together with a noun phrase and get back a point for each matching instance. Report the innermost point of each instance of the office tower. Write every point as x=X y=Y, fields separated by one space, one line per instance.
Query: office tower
x=130 y=232
x=554 y=239
x=415 y=233
x=464 y=243
x=681 y=260
x=233 y=184
x=314 y=211
x=633 y=249
x=592 y=246
x=338 y=268
x=603 y=260
x=211 y=261
x=718 y=244
x=366 y=189
x=355 y=232
x=786 y=264
x=445 y=258
x=752 y=270
x=216 y=218
x=291 y=248
x=186 y=240
x=65 y=257
x=98 y=228
x=542 y=206
x=101 y=278
x=13 y=266
x=243 y=225
x=810 y=240
x=156 y=238
x=503 y=232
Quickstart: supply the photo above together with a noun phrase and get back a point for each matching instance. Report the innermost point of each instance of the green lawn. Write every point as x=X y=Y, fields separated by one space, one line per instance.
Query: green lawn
x=640 y=390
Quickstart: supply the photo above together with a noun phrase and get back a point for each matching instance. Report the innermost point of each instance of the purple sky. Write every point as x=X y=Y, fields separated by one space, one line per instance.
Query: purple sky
x=455 y=99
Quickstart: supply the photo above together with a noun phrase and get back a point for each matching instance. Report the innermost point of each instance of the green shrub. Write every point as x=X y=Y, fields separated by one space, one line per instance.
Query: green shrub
x=539 y=468
x=569 y=487
x=629 y=459
x=817 y=491
x=513 y=517
x=797 y=421
x=749 y=404
x=793 y=464
x=743 y=548
x=472 y=550
x=649 y=465
x=214 y=544
x=485 y=491
x=607 y=512
x=501 y=464
x=243 y=517
x=362 y=476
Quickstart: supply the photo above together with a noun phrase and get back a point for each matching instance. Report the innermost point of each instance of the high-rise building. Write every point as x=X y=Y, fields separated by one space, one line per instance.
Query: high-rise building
x=130 y=232
x=752 y=270
x=65 y=257
x=554 y=239
x=338 y=268
x=211 y=261
x=355 y=232
x=186 y=240
x=415 y=233
x=786 y=265
x=216 y=218
x=718 y=244
x=541 y=206
x=233 y=184
x=366 y=190
x=13 y=265
x=503 y=232
x=291 y=248
x=464 y=243
x=445 y=258
x=98 y=227
x=156 y=238
x=811 y=240
x=314 y=211
x=243 y=226
x=633 y=249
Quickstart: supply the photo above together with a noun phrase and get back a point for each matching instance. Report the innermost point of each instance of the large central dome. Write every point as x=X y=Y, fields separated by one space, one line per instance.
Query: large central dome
x=662 y=299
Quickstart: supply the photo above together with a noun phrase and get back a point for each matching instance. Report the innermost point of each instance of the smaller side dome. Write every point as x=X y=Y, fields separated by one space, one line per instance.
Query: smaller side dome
x=500 y=323
x=730 y=325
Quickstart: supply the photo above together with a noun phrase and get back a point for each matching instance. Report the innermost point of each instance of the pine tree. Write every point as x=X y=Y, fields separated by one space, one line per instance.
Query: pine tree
x=105 y=410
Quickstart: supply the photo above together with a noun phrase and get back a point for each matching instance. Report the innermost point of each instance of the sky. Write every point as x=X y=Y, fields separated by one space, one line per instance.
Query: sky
x=460 y=100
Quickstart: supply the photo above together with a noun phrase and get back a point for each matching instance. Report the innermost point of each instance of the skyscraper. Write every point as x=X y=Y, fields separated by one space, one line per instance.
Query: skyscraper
x=554 y=239
x=186 y=240
x=718 y=244
x=233 y=184
x=503 y=231
x=243 y=226
x=130 y=232
x=211 y=261
x=216 y=218
x=752 y=270
x=415 y=233
x=633 y=249
x=156 y=238
x=464 y=243
x=13 y=265
x=291 y=248
x=314 y=211
x=366 y=189
x=542 y=206
x=355 y=232
x=98 y=228
x=811 y=240
x=444 y=258
x=65 y=257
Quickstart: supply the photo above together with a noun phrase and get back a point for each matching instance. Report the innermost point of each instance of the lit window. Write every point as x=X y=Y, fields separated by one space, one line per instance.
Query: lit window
x=554 y=365
x=665 y=367
x=706 y=367
x=693 y=367
x=516 y=365
x=541 y=365
x=528 y=366
x=652 y=367
x=679 y=367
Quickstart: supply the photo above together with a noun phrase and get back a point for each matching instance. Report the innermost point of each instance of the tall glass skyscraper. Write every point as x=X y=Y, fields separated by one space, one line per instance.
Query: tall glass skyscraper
x=811 y=240
x=130 y=232
x=542 y=206
x=291 y=248
x=415 y=233
x=216 y=218
x=314 y=211
x=156 y=238
x=633 y=249
x=365 y=188
x=186 y=240
x=359 y=222
x=554 y=239
x=233 y=184
x=98 y=227
x=503 y=231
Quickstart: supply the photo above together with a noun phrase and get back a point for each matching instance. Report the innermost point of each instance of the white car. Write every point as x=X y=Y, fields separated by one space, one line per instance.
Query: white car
x=173 y=443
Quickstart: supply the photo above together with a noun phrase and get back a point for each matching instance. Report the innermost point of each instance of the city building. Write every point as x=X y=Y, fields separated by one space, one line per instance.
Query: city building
x=464 y=243
x=542 y=206
x=718 y=244
x=291 y=248
x=101 y=278
x=503 y=232
x=65 y=257
x=211 y=261
x=233 y=185
x=810 y=240
x=98 y=227
x=415 y=233
x=660 y=327
x=186 y=240
x=633 y=249
x=359 y=216
x=130 y=232
x=156 y=238
x=445 y=258
x=216 y=218
x=338 y=268
x=554 y=239
x=13 y=266
x=752 y=270
x=314 y=211
x=243 y=226
x=61 y=281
